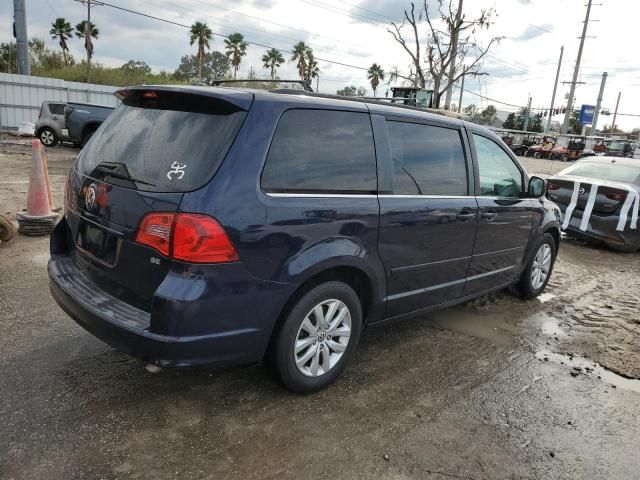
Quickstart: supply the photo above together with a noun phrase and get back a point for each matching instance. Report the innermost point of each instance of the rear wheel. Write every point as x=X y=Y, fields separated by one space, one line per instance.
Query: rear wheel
x=536 y=274
x=564 y=158
x=317 y=338
x=537 y=155
x=47 y=137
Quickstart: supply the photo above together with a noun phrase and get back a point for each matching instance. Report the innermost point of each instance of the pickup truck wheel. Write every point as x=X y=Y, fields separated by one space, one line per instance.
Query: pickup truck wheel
x=538 y=271
x=318 y=337
x=47 y=137
x=86 y=138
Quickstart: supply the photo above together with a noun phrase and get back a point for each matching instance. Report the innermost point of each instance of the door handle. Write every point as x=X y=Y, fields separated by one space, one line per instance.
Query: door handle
x=464 y=216
x=489 y=216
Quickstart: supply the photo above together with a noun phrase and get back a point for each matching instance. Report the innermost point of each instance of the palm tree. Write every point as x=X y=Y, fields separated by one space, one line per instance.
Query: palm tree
x=93 y=32
x=236 y=49
x=61 y=30
x=272 y=59
x=375 y=75
x=313 y=70
x=300 y=51
x=200 y=33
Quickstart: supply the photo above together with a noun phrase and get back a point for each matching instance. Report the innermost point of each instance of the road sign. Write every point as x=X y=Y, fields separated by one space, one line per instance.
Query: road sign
x=586 y=114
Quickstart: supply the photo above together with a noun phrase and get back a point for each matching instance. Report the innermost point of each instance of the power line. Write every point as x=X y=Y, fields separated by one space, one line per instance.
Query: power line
x=172 y=22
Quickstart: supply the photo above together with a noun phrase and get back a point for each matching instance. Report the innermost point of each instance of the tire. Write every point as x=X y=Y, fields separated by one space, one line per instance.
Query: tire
x=86 y=138
x=626 y=248
x=564 y=158
x=48 y=137
x=303 y=371
x=527 y=286
x=537 y=155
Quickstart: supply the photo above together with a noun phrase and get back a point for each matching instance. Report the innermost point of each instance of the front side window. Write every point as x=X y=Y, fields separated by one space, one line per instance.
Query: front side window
x=321 y=151
x=427 y=160
x=499 y=175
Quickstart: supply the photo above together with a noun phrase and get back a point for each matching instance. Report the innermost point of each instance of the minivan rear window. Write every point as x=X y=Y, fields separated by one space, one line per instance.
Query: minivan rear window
x=164 y=142
x=321 y=151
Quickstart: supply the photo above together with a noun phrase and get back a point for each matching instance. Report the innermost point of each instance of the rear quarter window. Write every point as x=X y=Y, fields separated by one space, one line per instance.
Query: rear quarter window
x=321 y=151
x=56 y=108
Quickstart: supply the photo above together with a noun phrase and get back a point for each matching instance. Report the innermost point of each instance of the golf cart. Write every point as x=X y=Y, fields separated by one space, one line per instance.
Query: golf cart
x=568 y=148
x=541 y=149
x=594 y=146
x=521 y=142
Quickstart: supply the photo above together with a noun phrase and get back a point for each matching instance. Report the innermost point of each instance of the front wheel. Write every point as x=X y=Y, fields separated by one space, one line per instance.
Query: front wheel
x=317 y=338
x=537 y=273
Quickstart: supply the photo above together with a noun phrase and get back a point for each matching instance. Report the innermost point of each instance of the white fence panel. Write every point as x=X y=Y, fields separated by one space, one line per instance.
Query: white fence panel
x=22 y=95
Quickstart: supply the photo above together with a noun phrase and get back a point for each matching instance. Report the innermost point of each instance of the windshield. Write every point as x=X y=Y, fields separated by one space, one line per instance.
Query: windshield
x=562 y=142
x=605 y=171
x=162 y=146
x=618 y=146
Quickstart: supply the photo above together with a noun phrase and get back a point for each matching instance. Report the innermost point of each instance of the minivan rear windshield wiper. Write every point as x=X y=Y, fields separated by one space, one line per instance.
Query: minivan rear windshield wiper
x=124 y=177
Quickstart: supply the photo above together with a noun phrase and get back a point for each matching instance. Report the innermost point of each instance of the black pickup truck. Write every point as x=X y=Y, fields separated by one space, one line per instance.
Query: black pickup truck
x=82 y=119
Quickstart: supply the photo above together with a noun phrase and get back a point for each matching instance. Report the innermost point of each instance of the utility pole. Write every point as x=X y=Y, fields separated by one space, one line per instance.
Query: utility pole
x=454 y=54
x=596 y=114
x=87 y=40
x=461 y=93
x=22 y=40
x=555 y=90
x=576 y=71
x=526 y=116
x=613 y=125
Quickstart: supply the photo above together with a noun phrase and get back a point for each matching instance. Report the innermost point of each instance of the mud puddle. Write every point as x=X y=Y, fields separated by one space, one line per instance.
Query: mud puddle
x=583 y=366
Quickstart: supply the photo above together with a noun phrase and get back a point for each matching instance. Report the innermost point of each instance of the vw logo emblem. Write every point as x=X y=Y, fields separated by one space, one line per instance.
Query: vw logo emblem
x=581 y=191
x=90 y=197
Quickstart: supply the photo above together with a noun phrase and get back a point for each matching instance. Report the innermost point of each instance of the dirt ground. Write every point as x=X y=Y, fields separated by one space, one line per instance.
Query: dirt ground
x=496 y=388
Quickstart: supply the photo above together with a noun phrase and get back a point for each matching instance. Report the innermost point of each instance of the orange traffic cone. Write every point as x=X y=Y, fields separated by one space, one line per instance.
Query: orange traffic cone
x=38 y=199
x=45 y=165
x=39 y=219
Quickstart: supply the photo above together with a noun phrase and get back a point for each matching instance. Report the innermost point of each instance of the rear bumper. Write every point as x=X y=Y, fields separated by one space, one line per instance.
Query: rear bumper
x=602 y=229
x=128 y=329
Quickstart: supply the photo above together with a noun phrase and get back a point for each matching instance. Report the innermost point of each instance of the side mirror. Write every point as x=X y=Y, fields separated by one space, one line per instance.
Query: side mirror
x=537 y=187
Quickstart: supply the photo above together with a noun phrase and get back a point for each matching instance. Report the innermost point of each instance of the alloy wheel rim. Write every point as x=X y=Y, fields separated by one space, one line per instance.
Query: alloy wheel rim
x=46 y=137
x=323 y=338
x=541 y=267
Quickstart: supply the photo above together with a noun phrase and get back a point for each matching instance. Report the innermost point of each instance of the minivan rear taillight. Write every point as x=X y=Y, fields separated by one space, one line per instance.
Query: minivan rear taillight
x=617 y=196
x=187 y=237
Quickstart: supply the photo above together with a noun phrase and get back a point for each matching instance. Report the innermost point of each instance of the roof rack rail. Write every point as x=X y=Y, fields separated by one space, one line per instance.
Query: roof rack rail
x=389 y=102
x=306 y=86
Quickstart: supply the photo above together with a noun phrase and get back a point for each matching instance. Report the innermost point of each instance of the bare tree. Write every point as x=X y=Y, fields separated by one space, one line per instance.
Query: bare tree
x=439 y=51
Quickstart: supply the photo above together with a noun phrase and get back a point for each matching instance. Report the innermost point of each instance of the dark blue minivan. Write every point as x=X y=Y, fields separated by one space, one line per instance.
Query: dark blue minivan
x=218 y=226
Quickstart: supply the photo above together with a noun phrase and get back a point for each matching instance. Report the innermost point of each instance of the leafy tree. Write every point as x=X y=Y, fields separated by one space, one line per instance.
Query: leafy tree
x=352 y=91
x=214 y=66
x=61 y=30
x=510 y=122
x=375 y=75
x=44 y=58
x=136 y=67
x=272 y=60
x=8 y=57
x=236 y=49
x=200 y=33
x=81 y=32
x=444 y=64
x=485 y=117
x=575 y=126
x=535 y=123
